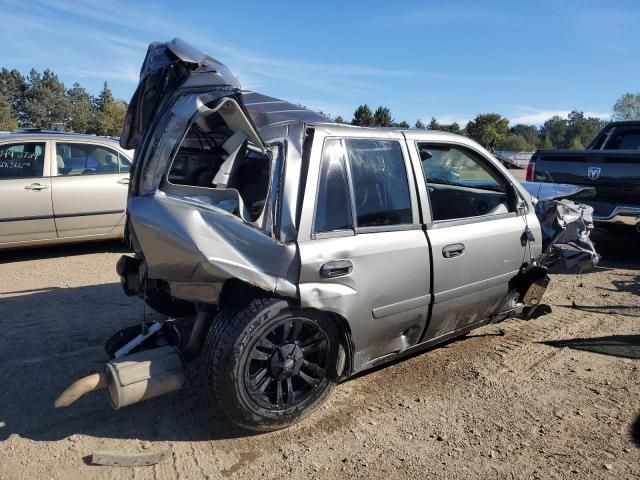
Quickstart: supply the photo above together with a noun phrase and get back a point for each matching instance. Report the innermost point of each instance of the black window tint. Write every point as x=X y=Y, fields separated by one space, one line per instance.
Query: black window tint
x=380 y=184
x=333 y=211
x=18 y=160
x=627 y=139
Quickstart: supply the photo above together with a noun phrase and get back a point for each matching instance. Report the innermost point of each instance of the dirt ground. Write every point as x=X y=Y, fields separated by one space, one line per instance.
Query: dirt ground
x=554 y=397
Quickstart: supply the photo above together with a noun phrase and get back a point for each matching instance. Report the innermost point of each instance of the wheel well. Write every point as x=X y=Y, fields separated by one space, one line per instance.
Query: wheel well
x=236 y=292
x=342 y=326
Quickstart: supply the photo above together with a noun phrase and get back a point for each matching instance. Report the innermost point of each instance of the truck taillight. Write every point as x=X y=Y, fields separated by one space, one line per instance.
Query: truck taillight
x=531 y=166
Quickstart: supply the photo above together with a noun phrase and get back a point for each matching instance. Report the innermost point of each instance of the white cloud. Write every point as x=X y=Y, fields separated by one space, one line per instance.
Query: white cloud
x=537 y=116
x=448 y=118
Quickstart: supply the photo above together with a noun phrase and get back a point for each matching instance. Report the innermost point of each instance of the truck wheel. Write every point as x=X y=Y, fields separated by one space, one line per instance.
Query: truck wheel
x=270 y=364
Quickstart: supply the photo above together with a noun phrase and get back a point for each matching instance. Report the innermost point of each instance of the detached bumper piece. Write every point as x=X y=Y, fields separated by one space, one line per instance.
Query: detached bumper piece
x=566 y=226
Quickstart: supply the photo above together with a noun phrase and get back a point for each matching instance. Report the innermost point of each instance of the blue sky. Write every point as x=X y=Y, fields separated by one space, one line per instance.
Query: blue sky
x=526 y=60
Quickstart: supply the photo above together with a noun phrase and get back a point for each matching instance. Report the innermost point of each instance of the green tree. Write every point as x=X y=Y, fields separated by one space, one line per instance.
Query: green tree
x=529 y=132
x=576 y=144
x=7 y=120
x=627 y=107
x=444 y=127
x=362 y=117
x=81 y=118
x=402 y=124
x=513 y=143
x=13 y=86
x=553 y=132
x=109 y=113
x=382 y=117
x=45 y=100
x=452 y=127
x=105 y=98
x=488 y=129
x=582 y=128
x=420 y=124
x=339 y=119
x=434 y=125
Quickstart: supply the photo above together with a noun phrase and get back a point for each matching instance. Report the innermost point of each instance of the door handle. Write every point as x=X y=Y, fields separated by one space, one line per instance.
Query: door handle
x=35 y=186
x=453 y=250
x=123 y=181
x=337 y=268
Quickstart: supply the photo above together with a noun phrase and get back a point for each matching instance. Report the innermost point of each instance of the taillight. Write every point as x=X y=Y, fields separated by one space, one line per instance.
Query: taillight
x=531 y=166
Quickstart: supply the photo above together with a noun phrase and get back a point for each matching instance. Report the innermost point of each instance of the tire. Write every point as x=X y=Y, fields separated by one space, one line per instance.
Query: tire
x=249 y=346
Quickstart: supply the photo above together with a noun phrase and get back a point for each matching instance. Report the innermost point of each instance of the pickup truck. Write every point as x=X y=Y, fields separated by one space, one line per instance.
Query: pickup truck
x=610 y=163
x=303 y=251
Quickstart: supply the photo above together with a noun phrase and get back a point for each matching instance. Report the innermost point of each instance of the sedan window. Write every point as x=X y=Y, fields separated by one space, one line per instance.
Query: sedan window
x=87 y=159
x=19 y=160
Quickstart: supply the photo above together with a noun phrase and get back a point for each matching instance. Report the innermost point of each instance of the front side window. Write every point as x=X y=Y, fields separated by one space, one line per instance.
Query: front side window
x=333 y=209
x=380 y=184
x=88 y=159
x=20 y=160
x=461 y=184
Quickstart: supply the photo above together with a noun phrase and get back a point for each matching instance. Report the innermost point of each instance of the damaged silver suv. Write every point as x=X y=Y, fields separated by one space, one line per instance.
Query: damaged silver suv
x=303 y=251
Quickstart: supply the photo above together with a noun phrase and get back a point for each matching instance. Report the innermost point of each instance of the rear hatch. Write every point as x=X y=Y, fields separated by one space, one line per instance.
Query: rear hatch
x=201 y=201
x=166 y=67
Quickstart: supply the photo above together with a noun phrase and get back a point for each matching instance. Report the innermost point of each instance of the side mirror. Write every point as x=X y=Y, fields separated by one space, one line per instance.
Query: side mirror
x=521 y=206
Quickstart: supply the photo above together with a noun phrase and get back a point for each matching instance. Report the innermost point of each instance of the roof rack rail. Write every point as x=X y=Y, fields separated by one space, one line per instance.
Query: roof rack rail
x=37 y=130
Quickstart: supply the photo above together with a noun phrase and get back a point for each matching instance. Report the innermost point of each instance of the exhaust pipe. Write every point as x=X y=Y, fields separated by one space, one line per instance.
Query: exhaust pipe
x=80 y=387
x=133 y=378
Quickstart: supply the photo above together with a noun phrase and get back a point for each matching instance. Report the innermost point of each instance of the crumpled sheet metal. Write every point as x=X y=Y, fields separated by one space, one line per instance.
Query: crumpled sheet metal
x=209 y=245
x=557 y=191
x=566 y=226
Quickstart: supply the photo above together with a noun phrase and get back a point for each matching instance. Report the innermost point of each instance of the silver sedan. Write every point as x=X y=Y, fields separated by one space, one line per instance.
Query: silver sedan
x=61 y=187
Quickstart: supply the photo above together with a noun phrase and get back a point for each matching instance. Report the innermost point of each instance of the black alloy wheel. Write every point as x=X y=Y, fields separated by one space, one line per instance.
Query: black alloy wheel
x=286 y=363
x=269 y=364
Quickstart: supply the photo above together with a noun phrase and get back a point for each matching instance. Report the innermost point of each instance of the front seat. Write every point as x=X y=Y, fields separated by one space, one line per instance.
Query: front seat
x=111 y=164
x=60 y=163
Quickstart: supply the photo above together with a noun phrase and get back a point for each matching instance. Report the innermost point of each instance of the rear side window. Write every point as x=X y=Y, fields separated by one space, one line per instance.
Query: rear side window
x=19 y=160
x=624 y=139
x=380 y=185
x=88 y=159
x=333 y=210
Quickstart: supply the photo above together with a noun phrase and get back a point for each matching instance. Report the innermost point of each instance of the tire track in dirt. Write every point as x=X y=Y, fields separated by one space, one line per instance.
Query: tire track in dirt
x=524 y=351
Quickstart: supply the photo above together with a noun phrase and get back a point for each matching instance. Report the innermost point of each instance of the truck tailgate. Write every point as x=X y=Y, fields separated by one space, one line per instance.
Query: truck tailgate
x=614 y=174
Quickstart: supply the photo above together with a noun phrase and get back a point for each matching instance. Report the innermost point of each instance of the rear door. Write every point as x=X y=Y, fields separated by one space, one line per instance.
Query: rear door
x=475 y=233
x=25 y=192
x=89 y=188
x=363 y=252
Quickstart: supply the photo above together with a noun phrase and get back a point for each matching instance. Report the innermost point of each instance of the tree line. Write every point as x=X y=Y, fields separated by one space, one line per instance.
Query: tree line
x=492 y=130
x=40 y=99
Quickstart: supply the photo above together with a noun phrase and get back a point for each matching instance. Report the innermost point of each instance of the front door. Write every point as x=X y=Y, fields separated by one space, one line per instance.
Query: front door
x=363 y=252
x=89 y=189
x=475 y=234
x=25 y=193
